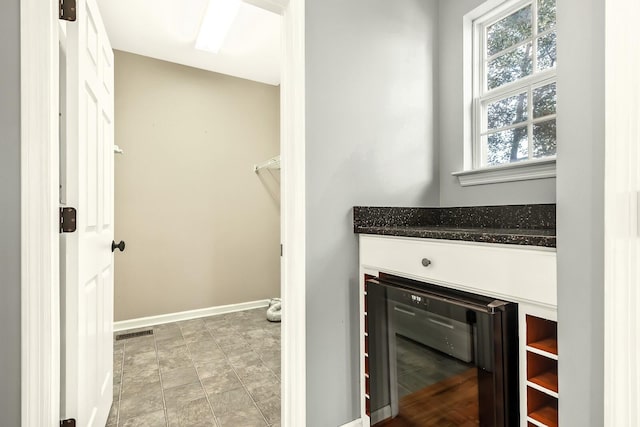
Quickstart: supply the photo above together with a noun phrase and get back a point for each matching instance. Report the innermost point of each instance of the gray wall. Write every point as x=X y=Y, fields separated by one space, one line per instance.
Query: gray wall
x=451 y=125
x=370 y=140
x=10 y=214
x=357 y=64
x=580 y=214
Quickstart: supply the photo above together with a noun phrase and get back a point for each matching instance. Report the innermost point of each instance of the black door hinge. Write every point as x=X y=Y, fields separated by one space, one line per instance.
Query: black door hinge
x=68 y=423
x=67 y=10
x=67 y=220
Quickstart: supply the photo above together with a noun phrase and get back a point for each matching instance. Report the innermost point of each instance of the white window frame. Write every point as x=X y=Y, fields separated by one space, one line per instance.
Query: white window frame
x=477 y=98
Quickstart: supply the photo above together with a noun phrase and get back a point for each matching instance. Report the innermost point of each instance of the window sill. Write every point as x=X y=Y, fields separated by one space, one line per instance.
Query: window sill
x=533 y=169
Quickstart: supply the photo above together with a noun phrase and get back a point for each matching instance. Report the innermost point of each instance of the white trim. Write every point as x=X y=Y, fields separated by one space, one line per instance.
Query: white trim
x=40 y=360
x=621 y=215
x=542 y=352
x=40 y=368
x=354 y=423
x=293 y=225
x=526 y=170
x=536 y=422
x=542 y=389
x=527 y=248
x=143 y=322
x=275 y=6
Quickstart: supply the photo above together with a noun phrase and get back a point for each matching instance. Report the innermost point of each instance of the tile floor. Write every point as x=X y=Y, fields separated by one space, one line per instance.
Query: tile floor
x=219 y=371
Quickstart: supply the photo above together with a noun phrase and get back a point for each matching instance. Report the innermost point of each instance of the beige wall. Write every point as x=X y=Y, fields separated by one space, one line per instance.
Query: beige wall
x=201 y=228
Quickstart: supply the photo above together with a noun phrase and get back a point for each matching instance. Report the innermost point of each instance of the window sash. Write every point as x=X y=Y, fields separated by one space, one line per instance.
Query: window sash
x=481 y=35
x=533 y=40
x=482 y=132
x=531 y=85
x=483 y=96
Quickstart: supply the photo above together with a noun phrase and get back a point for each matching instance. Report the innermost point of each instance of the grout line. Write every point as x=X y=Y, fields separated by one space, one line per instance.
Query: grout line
x=244 y=385
x=261 y=359
x=164 y=402
x=206 y=395
x=198 y=375
x=124 y=345
x=238 y=376
x=274 y=374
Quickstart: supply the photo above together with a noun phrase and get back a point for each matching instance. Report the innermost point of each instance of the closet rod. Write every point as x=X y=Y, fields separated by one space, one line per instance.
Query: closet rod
x=272 y=163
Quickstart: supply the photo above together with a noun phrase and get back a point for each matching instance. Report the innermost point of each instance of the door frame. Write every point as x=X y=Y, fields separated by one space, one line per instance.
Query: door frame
x=40 y=320
x=621 y=214
x=40 y=275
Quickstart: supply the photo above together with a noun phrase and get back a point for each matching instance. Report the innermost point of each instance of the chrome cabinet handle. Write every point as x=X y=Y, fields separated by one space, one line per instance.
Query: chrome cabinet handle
x=426 y=262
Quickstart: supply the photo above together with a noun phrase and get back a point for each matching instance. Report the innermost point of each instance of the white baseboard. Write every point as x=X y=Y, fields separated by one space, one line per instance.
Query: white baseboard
x=354 y=423
x=143 y=322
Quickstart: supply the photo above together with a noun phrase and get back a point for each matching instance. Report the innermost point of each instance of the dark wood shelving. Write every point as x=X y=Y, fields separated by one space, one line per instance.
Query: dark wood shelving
x=548 y=380
x=542 y=371
x=542 y=407
x=547 y=415
x=542 y=334
x=550 y=345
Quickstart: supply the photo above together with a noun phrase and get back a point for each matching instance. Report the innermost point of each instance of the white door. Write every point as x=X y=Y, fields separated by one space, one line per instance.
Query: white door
x=87 y=378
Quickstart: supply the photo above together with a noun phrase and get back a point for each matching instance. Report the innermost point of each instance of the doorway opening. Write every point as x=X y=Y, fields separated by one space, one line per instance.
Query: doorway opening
x=40 y=307
x=196 y=216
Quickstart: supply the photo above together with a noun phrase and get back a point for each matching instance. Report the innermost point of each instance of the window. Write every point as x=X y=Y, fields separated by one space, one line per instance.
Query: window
x=514 y=87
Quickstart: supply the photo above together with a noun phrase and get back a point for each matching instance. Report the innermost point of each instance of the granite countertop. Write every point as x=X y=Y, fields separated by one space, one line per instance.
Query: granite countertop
x=532 y=225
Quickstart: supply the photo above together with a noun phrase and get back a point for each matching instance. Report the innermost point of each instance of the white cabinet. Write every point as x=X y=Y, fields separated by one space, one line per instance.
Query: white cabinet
x=522 y=274
x=513 y=272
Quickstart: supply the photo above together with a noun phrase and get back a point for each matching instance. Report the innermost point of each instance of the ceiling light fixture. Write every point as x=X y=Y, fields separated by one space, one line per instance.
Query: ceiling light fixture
x=216 y=24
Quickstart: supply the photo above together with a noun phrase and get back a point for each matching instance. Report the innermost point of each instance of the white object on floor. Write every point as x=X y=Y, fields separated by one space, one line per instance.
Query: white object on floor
x=274 y=312
x=143 y=322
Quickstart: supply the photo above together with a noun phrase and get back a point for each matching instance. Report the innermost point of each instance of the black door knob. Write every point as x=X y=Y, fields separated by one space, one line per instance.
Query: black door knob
x=118 y=246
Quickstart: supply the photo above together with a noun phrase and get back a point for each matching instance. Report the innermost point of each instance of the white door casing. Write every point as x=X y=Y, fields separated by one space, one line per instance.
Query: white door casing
x=88 y=322
x=39 y=364
x=40 y=370
x=622 y=216
x=292 y=151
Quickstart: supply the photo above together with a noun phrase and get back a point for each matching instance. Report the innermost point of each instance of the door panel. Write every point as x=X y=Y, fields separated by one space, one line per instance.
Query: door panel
x=88 y=318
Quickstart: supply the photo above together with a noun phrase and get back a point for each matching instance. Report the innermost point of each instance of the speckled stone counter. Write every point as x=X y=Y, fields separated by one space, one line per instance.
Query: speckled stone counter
x=533 y=225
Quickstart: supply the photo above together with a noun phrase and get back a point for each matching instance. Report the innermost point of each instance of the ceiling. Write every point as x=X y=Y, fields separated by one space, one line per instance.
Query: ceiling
x=167 y=30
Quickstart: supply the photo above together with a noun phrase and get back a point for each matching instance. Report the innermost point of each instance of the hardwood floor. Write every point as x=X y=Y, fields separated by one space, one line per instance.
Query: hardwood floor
x=450 y=403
